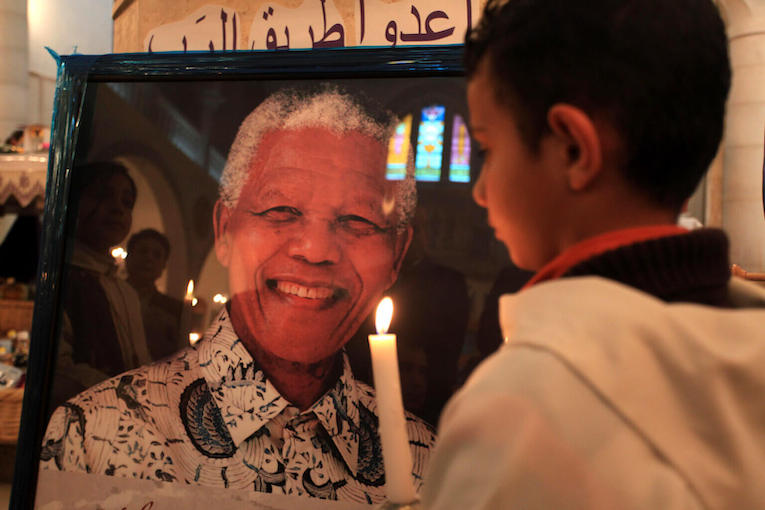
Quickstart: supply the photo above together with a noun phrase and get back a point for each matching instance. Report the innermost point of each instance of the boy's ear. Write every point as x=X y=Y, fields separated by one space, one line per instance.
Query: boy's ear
x=221 y=218
x=583 y=151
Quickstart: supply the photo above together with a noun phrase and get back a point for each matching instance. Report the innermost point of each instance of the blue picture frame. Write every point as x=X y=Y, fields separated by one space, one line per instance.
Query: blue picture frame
x=76 y=75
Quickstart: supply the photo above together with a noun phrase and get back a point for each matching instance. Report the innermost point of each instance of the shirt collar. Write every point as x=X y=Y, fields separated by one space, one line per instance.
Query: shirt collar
x=247 y=400
x=338 y=413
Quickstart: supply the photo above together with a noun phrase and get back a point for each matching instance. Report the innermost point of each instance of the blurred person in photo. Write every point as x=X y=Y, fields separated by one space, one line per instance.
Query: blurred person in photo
x=147 y=254
x=102 y=331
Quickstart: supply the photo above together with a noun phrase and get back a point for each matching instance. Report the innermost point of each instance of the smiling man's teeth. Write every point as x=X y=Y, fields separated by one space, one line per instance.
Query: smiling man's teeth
x=304 y=292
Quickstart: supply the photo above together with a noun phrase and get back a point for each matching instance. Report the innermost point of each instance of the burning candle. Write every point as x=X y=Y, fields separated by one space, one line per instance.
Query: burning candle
x=189 y=298
x=187 y=322
x=397 y=456
x=119 y=253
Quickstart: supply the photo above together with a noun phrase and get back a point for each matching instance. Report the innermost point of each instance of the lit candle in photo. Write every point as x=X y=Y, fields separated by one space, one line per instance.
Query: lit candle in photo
x=397 y=456
x=119 y=253
x=189 y=298
x=186 y=313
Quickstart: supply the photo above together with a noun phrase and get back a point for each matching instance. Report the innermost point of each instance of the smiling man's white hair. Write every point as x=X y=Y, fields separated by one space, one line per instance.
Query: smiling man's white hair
x=329 y=108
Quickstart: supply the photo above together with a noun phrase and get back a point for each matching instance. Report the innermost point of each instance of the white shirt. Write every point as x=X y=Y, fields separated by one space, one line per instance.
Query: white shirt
x=605 y=397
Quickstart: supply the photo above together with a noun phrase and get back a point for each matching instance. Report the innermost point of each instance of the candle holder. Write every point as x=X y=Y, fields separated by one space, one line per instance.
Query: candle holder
x=390 y=505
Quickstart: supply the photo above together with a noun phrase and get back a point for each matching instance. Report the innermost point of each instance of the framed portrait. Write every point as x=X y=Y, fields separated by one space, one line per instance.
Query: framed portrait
x=218 y=231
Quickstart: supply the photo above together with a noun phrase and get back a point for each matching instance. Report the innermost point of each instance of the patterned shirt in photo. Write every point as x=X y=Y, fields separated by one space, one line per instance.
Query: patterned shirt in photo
x=208 y=416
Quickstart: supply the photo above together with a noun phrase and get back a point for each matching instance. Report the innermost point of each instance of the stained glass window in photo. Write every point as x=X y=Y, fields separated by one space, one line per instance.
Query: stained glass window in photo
x=398 y=150
x=459 y=168
x=430 y=144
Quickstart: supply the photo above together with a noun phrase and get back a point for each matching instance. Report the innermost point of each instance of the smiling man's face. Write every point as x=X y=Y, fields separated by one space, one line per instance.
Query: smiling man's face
x=309 y=247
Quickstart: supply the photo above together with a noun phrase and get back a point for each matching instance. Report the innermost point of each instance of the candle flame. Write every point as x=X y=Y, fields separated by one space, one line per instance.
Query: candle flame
x=384 y=315
x=119 y=253
x=190 y=289
x=194 y=338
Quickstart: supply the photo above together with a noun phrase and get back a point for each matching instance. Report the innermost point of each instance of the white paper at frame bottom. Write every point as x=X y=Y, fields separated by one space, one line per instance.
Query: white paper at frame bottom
x=58 y=490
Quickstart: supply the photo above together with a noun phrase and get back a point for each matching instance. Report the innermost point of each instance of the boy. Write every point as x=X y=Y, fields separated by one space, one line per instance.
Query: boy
x=632 y=369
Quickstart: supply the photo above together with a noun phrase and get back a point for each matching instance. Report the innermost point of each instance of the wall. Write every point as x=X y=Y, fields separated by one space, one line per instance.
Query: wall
x=73 y=26
x=13 y=66
x=196 y=24
x=741 y=193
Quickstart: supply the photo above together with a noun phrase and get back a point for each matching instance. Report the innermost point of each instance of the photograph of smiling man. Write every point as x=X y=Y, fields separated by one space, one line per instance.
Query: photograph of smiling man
x=312 y=235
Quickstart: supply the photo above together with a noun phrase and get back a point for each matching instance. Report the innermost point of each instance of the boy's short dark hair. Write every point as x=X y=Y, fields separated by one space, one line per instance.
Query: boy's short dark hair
x=149 y=233
x=656 y=70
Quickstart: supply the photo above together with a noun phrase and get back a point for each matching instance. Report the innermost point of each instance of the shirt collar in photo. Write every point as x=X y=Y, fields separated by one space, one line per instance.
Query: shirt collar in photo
x=247 y=400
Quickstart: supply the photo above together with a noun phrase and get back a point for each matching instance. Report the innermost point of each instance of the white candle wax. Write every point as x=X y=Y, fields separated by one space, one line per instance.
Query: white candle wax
x=397 y=456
